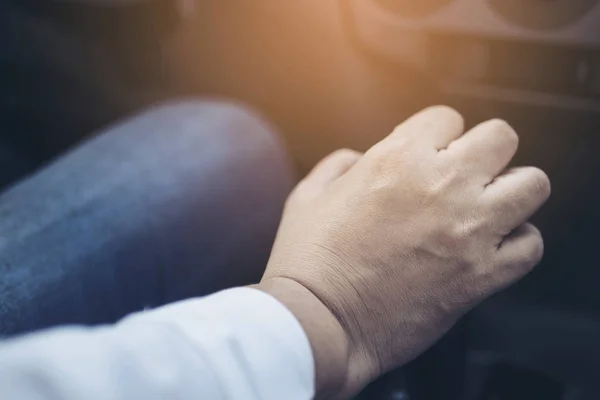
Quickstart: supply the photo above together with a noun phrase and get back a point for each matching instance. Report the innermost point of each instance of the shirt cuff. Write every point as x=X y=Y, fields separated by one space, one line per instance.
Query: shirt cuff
x=254 y=343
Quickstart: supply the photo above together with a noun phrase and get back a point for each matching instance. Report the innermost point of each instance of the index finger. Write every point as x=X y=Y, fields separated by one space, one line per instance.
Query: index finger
x=435 y=127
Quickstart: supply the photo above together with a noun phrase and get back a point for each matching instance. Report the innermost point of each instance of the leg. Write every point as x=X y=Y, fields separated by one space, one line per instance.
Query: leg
x=179 y=202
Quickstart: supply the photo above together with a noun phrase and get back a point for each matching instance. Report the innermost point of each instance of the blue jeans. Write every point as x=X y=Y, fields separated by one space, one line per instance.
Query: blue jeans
x=179 y=202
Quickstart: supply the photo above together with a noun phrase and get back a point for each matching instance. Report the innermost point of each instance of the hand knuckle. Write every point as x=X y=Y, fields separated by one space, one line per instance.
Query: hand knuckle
x=537 y=249
x=461 y=232
x=531 y=252
x=457 y=235
x=503 y=131
x=434 y=190
x=445 y=111
x=439 y=183
x=532 y=258
x=540 y=183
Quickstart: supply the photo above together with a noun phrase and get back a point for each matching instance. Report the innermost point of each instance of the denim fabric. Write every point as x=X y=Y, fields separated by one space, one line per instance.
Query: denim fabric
x=181 y=201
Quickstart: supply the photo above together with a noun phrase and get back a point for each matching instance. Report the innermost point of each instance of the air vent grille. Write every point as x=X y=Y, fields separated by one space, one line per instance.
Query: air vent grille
x=543 y=14
x=549 y=69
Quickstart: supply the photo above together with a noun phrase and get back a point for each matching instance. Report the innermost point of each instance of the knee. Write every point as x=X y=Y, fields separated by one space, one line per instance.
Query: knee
x=215 y=177
x=220 y=129
x=222 y=150
x=238 y=154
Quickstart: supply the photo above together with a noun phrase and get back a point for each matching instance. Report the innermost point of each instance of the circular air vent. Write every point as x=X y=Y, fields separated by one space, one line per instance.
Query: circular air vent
x=413 y=8
x=543 y=14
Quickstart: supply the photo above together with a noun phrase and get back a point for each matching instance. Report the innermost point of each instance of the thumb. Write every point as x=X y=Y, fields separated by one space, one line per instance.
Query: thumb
x=332 y=167
x=324 y=173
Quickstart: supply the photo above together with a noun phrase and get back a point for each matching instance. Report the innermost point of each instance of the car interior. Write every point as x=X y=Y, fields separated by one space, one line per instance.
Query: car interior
x=536 y=64
x=330 y=74
x=342 y=74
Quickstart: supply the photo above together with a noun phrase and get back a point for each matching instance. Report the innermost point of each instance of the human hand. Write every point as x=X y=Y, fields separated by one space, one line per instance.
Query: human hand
x=379 y=255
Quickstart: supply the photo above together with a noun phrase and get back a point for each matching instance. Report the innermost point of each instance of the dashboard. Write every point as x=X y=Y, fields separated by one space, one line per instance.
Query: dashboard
x=533 y=51
x=573 y=22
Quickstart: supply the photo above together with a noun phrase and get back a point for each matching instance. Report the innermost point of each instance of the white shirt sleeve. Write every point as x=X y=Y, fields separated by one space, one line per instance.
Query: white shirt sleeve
x=237 y=344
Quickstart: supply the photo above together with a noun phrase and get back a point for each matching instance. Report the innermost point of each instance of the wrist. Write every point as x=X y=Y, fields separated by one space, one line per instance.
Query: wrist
x=328 y=340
